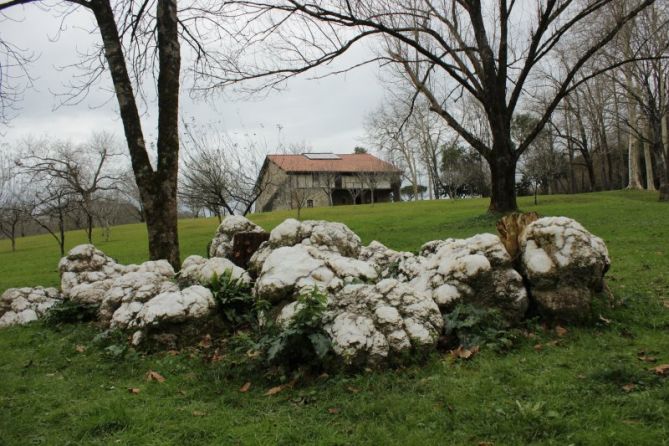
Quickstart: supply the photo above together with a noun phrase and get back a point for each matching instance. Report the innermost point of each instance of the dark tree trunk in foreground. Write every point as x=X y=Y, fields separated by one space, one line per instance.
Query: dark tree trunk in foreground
x=157 y=188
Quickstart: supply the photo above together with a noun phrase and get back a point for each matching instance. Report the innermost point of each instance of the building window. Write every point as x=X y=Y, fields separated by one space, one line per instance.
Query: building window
x=310 y=203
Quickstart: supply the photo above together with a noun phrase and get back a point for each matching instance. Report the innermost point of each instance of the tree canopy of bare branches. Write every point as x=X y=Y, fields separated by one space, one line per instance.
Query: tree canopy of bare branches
x=496 y=53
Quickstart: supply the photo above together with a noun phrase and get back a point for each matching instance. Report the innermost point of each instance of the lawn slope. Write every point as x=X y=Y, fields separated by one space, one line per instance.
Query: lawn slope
x=591 y=386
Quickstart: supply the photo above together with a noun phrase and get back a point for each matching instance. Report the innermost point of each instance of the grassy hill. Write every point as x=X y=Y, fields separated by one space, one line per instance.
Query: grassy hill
x=590 y=386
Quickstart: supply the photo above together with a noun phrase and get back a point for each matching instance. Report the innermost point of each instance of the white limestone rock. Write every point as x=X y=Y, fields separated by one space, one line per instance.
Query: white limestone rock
x=386 y=260
x=372 y=324
x=87 y=273
x=221 y=245
x=475 y=270
x=125 y=291
x=189 y=304
x=564 y=265
x=330 y=236
x=290 y=270
x=198 y=270
x=19 y=306
x=161 y=267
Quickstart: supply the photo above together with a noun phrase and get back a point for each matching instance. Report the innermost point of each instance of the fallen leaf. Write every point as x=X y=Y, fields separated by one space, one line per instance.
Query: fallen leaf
x=629 y=387
x=486 y=443
x=173 y=352
x=245 y=388
x=464 y=353
x=333 y=410
x=275 y=390
x=538 y=347
x=80 y=348
x=561 y=331
x=154 y=376
x=605 y=320
x=197 y=413
x=665 y=303
x=216 y=357
x=252 y=354
x=205 y=342
x=133 y=390
x=661 y=370
x=353 y=389
x=646 y=358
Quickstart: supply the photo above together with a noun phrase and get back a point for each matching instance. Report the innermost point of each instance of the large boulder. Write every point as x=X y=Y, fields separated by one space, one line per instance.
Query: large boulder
x=291 y=270
x=198 y=270
x=564 y=265
x=323 y=235
x=19 y=306
x=86 y=274
x=477 y=270
x=164 y=310
x=128 y=292
x=373 y=324
x=221 y=245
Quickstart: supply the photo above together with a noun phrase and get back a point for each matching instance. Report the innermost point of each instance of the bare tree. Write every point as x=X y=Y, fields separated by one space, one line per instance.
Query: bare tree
x=13 y=206
x=81 y=172
x=141 y=43
x=445 y=50
x=296 y=193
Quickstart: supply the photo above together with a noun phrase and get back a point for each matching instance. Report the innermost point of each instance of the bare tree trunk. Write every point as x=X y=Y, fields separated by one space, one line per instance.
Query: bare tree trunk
x=634 y=174
x=664 y=187
x=157 y=188
x=648 y=157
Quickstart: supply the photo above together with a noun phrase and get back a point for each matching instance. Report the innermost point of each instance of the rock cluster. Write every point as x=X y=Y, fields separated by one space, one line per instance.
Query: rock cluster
x=22 y=305
x=477 y=270
x=380 y=302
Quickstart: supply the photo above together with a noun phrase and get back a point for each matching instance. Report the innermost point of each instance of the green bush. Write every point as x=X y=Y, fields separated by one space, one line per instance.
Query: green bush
x=234 y=300
x=471 y=326
x=302 y=341
x=70 y=312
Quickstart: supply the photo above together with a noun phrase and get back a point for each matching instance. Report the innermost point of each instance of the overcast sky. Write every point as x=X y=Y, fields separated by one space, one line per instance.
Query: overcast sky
x=326 y=114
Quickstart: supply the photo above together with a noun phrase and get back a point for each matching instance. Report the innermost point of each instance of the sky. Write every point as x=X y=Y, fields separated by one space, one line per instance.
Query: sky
x=324 y=114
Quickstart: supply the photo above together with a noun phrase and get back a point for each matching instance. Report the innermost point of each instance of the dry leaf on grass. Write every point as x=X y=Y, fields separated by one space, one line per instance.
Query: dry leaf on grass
x=277 y=389
x=561 y=331
x=197 y=413
x=333 y=410
x=134 y=390
x=665 y=303
x=661 y=370
x=629 y=387
x=154 y=376
x=205 y=342
x=245 y=388
x=80 y=348
x=645 y=357
x=353 y=389
x=464 y=353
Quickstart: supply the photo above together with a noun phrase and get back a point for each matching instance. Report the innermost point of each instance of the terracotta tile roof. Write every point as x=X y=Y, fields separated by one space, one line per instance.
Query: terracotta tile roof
x=351 y=162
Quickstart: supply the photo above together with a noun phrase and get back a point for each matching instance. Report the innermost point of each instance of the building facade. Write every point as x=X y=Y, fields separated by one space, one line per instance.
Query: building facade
x=325 y=179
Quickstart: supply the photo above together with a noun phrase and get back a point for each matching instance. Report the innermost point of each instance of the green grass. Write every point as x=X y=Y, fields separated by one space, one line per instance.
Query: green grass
x=567 y=393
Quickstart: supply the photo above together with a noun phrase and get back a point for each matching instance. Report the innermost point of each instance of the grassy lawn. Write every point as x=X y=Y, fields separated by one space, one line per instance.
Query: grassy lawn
x=587 y=387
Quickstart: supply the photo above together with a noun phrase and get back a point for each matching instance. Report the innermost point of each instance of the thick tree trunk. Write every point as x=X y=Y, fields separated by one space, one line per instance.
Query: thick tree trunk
x=503 y=179
x=157 y=189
